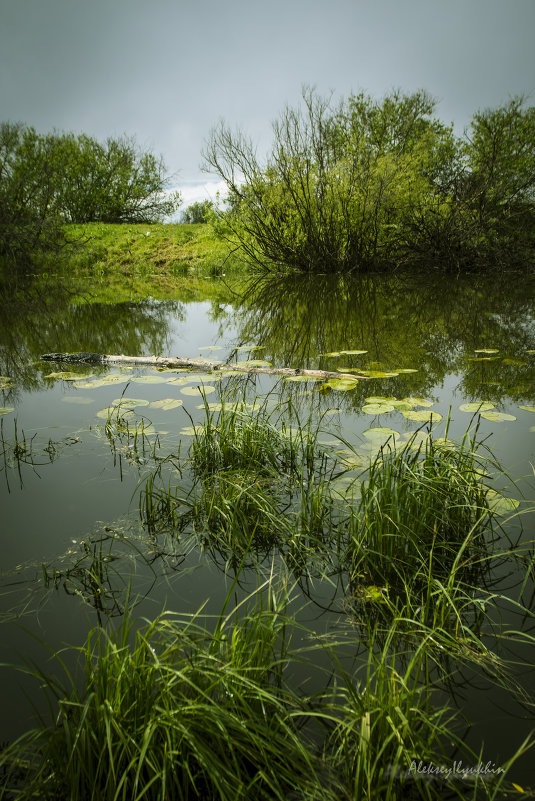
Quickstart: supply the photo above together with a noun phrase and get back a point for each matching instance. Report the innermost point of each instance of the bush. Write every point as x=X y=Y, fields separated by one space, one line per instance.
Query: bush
x=47 y=180
x=198 y=212
x=371 y=183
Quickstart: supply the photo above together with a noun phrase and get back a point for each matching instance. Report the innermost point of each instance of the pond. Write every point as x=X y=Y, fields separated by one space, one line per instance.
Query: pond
x=84 y=446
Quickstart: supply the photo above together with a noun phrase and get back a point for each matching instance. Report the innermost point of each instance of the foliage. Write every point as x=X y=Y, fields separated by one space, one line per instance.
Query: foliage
x=370 y=183
x=198 y=212
x=49 y=179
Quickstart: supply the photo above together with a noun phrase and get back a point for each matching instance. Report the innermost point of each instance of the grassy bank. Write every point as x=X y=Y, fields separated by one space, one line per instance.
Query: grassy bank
x=127 y=262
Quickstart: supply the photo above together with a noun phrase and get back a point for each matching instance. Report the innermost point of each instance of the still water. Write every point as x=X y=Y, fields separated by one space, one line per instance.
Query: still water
x=73 y=545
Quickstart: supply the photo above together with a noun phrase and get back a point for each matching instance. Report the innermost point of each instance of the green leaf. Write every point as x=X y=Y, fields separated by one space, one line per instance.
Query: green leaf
x=377 y=374
x=527 y=408
x=419 y=402
x=377 y=408
x=150 y=379
x=499 y=504
x=497 y=417
x=211 y=347
x=191 y=431
x=166 y=404
x=380 y=433
x=206 y=389
x=297 y=378
x=423 y=417
x=477 y=406
x=130 y=402
x=68 y=375
x=6 y=409
x=486 y=350
x=514 y=362
x=352 y=352
x=341 y=384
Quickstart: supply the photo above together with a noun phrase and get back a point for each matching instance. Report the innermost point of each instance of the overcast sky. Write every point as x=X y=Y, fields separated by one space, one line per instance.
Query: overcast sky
x=166 y=71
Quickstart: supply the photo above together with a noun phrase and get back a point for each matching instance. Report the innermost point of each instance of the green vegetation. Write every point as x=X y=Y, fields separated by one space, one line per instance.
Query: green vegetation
x=47 y=180
x=369 y=184
x=140 y=261
x=199 y=212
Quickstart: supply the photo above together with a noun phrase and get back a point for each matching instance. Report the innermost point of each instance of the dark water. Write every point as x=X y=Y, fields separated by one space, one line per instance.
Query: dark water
x=69 y=491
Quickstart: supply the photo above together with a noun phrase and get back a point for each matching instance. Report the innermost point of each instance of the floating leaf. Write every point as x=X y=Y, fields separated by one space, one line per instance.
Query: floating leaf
x=352 y=352
x=527 y=408
x=115 y=412
x=206 y=388
x=530 y=351
x=499 y=504
x=405 y=370
x=333 y=355
x=102 y=382
x=477 y=406
x=379 y=399
x=486 y=350
x=228 y=373
x=211 y=347
x=341 y=384
x=6 y=409
x=81 y=399
x=150 y=379
x=251 y=347
x=68 y=375
x=419 y=402
x=514 y=362
x=497 y=417
x=483 y=358
x=423 y=417
x=379 y=433
x=166 y=404
x=444 y=442
x=191 y=431
x=377 y=408
x=377 y=373
x=124 y=401
x=255 y=363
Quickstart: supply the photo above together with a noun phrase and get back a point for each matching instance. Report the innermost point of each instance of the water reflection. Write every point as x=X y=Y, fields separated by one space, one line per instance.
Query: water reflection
x=429 y=323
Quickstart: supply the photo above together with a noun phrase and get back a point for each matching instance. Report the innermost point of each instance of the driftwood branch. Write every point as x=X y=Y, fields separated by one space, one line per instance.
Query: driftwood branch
x=198 y=364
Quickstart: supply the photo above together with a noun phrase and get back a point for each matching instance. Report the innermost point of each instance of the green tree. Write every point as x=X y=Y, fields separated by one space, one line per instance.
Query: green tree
x=198 y=212
x=336 y=189
x=47 y=180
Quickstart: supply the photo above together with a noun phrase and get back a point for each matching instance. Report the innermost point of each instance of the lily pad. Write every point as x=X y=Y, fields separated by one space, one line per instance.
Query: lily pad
x=483 y=358
x=167 y=404
x=514 y=362
x=405 y=370
x=380 y=433
x=477 y=406
x=378 y=374
x=102 y=382
x=150 y=379
x=498 y=417
x=251 y=347
x=423 y=417
x=211 y=347
x=80 y=399
x=341 y=384
x=486 y=350
x=115 y=411
x=68 y=375
x=379 y=399
x=353 y=352
x=206 y=389
x=419 y=402
x=377 y=408
x=6 y=409
x=191 y=431
x=228 y=373
x=499 y=504
x=333 y=354
x=130 y=402
x=527 y=408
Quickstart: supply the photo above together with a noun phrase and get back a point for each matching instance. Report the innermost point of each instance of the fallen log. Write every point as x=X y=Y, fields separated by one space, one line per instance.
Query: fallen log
x=197 y=364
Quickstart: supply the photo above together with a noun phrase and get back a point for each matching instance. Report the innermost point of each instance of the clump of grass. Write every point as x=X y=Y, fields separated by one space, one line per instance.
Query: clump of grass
x=420 y=506
x=174 y=710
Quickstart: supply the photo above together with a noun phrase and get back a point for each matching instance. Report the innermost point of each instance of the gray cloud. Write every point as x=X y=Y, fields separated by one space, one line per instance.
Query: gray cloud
x=168 y=70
